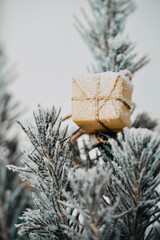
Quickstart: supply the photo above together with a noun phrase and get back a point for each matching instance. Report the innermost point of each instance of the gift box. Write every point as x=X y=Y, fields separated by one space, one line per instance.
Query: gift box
x=102 y=102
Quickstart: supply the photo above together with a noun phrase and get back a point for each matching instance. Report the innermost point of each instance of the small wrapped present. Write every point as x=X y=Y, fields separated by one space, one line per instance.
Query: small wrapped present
x=102 y=102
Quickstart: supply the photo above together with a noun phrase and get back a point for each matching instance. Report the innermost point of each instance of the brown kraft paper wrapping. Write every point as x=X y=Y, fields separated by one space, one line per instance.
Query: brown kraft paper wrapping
x=101 y=102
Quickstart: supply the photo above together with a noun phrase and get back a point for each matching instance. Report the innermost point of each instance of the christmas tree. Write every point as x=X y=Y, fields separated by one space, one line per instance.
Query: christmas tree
x=112 y=194
x=14 y=196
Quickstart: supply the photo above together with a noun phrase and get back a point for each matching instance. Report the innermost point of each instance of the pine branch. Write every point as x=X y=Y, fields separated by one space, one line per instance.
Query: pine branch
x=143 y=120
x=14 y=196
x=136 y=176
x=93 y=218
x=65 y=190
x=46 y=170
x=104 y=35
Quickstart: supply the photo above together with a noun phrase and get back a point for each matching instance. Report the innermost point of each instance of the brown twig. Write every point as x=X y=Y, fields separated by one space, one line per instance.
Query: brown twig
x=66 y=118
x=77 y=135
x=137 y=196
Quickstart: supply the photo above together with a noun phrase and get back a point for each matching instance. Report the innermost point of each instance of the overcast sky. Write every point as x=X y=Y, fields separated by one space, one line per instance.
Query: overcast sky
x=40 y=38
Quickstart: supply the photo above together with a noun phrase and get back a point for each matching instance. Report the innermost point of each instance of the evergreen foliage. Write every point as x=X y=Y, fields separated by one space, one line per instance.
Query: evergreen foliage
x=115 y=198
x=113 y=195
x=143 y=120
x=104 y=35
x=45 y=170
x=14 y=196
x=91 y=214
x=136 y=173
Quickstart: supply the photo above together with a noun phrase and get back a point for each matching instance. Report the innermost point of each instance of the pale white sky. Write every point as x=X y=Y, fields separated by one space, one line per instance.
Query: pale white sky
x=40 y=38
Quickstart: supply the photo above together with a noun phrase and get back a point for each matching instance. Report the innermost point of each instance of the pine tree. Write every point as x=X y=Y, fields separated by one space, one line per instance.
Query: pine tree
x=113 y=195
x=104 y=35
x=14 y=197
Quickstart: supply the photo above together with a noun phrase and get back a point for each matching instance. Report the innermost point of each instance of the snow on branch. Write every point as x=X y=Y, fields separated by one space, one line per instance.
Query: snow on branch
x=103 y=32
x=136 y=168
